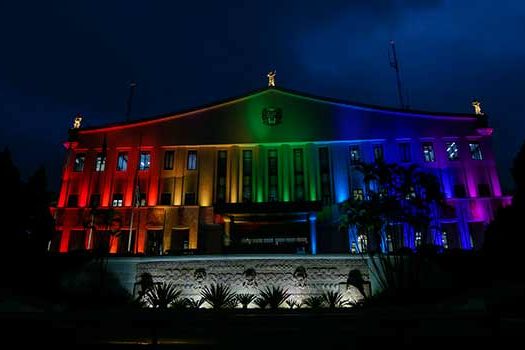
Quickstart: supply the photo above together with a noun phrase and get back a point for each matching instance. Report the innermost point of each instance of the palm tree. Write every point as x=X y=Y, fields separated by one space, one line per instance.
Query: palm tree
x=245 y=299
x=334 y=299
x=194 y=303
x=162 y=296
x=314 y=302
x=273 y=297
x=219 y=296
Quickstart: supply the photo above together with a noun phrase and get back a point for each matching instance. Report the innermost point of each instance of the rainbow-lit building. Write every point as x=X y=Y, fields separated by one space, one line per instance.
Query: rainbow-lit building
x=264 y=173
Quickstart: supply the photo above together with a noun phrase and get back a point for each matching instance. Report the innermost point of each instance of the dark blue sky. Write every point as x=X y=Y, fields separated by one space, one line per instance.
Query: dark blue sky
x=60 y=58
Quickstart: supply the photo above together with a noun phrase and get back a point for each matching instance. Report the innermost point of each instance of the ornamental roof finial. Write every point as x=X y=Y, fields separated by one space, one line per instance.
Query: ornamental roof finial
x=271 y=78
x=77 y=122
x=477 y=107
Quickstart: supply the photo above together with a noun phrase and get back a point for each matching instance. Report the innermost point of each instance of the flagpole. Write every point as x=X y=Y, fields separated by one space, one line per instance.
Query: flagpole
x=134 y=200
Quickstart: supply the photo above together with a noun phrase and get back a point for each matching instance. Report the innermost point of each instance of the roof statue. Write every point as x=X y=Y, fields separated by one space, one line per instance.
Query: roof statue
x=271 y=78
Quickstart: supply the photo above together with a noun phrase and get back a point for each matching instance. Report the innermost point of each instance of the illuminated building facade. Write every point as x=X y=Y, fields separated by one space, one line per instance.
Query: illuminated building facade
x=265 y=173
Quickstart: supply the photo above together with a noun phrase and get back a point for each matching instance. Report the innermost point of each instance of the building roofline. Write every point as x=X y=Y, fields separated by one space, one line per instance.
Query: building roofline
x=253 y=93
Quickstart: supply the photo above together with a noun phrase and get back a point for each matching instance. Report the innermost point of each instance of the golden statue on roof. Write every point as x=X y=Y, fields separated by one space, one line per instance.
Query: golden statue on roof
x=477 y=107
x=77 y=122
x=271 y=78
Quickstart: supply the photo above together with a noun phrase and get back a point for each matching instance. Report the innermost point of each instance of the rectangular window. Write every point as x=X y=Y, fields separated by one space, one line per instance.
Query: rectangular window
x=273 y=176
x=475 y=150
x=100 y=162
x=77 y=240
x=298 y=172
x=168 y=160
x=483 y=190
x=144 y=161
x=324 y=174
x=80 y=159
x=190 y=198
x=94 y=200
x=418 y=239
x=192 y=160
x=452 y=150
x=459 y=191
x=165 y=198
x=247 y=162
x=355 y=155
x=358 y=194
x=142 y=199
x=428 y=152
x=222 y=162
x=72 y=201
x=117 y=200
x=404 y=152
x=378 y=153
x=122 y=161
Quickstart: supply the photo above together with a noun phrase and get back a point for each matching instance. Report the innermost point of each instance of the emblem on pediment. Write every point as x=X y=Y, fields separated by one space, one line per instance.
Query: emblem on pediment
x=272 y=116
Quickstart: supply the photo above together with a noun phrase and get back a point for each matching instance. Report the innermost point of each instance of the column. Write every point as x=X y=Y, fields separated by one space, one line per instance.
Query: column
x=312 y=218
x=227 y=231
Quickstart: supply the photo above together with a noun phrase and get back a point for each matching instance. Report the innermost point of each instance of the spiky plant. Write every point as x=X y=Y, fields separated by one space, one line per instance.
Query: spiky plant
x=261 y=303
x=194 y=303
x=334 y=299
x=293 y=304
x=245 y=299
x=274 y=296
x=219 y=296
x=161 y=295
x=314 y=302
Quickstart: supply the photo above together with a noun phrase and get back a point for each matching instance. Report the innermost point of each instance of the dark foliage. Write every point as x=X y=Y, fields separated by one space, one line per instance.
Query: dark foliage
x=272 y=297
x=219 y=296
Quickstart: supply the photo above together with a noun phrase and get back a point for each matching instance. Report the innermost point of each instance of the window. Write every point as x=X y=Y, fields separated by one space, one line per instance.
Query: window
x=298 y=174
x=168 y=160
x=117 y=200
x=358 y=194
x=100 y=162
x=452 y=150
x=459 y=191
x=192 y=160
x=483 y=190
x=404 y=152
x=72 y=201
x=189 y=198
x=144 y=161
x=222 y=162
x=389 y=243
x=418 y=239
x=142 y=199
x=378 y=153
x=324 y=172
x=122 y=161
x=362 y=242
x=247 y=157
x=475 y=151
x=80 y=159
x=355 y=155
x=165 y=198
x=428 y=152
x=94 y=200
x=444 y=240
x=273 y=176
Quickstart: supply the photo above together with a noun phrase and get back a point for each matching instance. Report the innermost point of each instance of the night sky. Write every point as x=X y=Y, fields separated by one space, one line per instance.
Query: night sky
x=60 y=58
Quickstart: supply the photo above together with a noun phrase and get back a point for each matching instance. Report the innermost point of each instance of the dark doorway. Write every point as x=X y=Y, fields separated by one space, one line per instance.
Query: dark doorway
x=154 y=242
x=180 y=240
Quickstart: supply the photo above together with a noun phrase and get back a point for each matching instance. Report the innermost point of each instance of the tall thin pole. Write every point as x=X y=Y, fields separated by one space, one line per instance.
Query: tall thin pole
x=134 y=201
x=394 y=63
x=132 y=87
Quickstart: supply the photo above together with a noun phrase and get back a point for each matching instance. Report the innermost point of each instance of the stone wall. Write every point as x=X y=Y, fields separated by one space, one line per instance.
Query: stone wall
x=301 y=275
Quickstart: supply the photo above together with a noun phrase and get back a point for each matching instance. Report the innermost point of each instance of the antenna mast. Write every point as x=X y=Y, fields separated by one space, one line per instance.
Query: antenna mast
x=132 y=87
x=394 y=63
